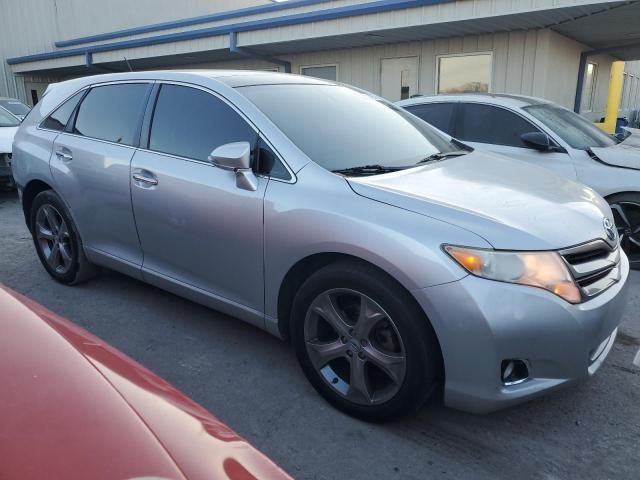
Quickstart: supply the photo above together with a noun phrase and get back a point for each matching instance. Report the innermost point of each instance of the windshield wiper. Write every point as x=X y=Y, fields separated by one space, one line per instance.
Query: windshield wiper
x=368 y=170
x=442 y=156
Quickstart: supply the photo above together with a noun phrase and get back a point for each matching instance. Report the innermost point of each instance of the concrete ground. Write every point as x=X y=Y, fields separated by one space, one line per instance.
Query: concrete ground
x=252 y=382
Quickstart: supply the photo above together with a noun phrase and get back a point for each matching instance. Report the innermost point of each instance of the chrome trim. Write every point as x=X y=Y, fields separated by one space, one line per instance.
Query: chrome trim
x=516 y=382
x=594 y=276
x=143 y=179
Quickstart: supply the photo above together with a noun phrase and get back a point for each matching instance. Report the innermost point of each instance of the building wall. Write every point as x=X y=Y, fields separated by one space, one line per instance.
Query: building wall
x=32 y=26
x=538 y=63
x=630 y=102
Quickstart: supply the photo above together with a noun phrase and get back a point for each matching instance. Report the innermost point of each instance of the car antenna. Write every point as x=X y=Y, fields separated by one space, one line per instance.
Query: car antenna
x=128 y=64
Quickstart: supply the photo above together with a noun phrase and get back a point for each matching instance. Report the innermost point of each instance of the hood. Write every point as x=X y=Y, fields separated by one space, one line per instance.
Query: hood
x=74 y=407
x=6 y=138
x=507 y=202
x=634 y=138
x=626 y=154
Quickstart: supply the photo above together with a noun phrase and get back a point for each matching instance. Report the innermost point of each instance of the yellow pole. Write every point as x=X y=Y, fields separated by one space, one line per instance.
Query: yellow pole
x=616 y=81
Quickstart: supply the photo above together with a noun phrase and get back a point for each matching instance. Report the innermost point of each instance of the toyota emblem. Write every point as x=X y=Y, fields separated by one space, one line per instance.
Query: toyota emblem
x=609 y=228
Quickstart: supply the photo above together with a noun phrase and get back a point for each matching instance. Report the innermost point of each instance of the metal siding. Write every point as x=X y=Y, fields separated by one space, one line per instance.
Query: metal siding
x=521 y=60
x=528 y=62
x=515 y=61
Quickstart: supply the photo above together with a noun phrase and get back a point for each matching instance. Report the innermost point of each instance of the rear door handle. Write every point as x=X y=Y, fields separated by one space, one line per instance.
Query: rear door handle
x=64 y=155
x=147 y=180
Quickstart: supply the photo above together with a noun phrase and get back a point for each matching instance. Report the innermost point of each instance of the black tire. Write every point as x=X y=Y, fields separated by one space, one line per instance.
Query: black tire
x=423 y=365
x=79 y=269
x=626 y=213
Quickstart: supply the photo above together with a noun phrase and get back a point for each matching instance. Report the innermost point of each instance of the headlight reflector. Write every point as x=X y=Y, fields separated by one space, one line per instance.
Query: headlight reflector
x=536 y=269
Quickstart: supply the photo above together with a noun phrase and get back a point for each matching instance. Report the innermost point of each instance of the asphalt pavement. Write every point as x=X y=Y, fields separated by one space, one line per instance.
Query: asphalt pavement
x=252 y=381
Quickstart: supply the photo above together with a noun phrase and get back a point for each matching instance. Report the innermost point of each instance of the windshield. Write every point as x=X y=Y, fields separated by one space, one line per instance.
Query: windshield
x=8 y=120
x=15 y=107
x=574 y=129
x=340 y=128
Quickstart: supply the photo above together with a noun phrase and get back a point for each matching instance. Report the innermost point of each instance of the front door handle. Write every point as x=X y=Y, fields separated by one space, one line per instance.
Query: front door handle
x=64 y=155
x=147 y=180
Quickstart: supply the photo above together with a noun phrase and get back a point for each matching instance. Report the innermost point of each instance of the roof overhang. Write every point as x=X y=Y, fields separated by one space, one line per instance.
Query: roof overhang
x=608 y=26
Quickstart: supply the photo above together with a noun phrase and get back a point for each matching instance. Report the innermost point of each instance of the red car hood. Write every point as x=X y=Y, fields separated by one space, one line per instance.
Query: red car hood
x=73 y=407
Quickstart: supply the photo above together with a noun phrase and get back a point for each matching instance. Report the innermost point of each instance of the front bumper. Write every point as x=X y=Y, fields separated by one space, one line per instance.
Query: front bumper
x=480 y=323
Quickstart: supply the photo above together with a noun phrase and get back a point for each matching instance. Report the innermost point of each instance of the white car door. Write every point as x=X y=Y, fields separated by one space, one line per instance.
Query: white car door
x=499 y=130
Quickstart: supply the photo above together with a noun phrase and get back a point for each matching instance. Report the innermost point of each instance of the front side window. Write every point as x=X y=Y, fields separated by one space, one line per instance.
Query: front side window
x=191 y=123
x=341 y=128
x=60 y=117
x=493 y=125
x=112 y=112
x=574 y=129
x=440 y=115
x=7 y=119
x=464 y=73
x=326 y=72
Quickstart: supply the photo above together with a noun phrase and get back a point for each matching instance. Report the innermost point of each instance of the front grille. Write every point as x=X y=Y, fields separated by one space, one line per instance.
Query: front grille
x=595 y=266
x=586 y=256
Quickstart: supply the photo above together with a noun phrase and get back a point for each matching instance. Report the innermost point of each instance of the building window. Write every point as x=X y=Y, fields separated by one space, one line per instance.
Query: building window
x=326 y=72
x=464 y=73
x=589 y=90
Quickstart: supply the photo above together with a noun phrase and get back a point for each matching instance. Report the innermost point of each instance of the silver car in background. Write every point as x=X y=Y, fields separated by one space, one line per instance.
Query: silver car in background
x=549 y=136
x=394 y=258
x=15 y=107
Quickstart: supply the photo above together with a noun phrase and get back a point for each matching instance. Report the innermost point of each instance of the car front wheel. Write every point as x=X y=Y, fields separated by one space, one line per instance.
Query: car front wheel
x=364 y=343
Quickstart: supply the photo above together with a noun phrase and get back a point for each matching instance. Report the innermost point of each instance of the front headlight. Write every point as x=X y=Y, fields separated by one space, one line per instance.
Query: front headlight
x=536 y=269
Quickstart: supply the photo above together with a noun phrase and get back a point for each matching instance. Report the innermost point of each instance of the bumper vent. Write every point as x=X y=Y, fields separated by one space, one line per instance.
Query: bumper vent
x=595 y=266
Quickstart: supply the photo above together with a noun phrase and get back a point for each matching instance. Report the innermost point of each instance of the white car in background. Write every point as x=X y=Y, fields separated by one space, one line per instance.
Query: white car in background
x=15 y=107
x=8 y=127
x=545 y=134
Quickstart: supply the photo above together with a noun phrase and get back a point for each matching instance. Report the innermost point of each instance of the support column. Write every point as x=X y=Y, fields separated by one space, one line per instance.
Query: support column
x=616 y=81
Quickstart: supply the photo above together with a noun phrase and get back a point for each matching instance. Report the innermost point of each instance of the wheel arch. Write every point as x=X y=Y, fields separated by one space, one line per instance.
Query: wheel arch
x=305 y=267
x=29 y=193
x=624 y=192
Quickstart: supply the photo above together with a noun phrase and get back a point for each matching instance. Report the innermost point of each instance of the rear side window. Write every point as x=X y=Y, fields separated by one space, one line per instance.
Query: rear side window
x=440 y=115
x=494 y=125
x=191 y=123
x=112 y=112
x=60 y=117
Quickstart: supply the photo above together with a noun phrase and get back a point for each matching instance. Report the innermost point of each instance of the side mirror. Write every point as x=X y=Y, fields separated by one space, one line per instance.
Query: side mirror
x=236 y=157
x=541 y=142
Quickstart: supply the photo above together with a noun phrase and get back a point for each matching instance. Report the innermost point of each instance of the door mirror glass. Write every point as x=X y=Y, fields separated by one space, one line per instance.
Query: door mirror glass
x=237 y=158
x=232 y=156
x=538 y=141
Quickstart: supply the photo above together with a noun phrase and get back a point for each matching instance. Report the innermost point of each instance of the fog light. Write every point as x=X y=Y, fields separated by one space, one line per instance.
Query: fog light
x=514 y=371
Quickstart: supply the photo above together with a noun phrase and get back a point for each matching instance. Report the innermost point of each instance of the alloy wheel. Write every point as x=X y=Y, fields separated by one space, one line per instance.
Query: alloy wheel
x=355 y=346
x=627 y=218
x=54 y=240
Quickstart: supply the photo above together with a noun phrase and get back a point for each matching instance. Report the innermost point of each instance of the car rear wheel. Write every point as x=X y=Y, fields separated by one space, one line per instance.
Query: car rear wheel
x=364 y=343
x=57 y=241
x=626 y=213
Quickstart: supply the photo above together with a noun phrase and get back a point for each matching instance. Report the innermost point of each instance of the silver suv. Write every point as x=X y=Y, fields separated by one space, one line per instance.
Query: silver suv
x=394 y=258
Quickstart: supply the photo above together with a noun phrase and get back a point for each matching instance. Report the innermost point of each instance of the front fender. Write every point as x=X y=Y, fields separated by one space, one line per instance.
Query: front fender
x=316 y=216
